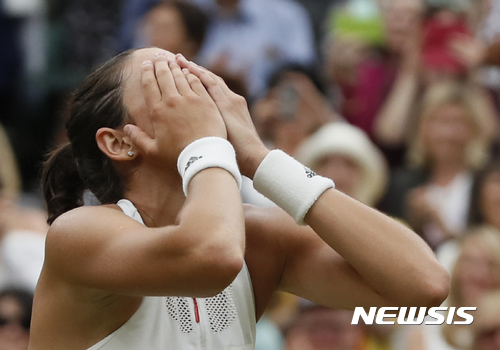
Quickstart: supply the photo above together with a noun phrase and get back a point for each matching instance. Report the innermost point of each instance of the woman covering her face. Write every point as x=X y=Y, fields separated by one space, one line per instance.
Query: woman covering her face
x=171 y=259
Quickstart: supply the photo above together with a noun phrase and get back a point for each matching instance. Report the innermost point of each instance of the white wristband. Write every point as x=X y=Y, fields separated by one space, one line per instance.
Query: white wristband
x=207 y=152
x=289 y=184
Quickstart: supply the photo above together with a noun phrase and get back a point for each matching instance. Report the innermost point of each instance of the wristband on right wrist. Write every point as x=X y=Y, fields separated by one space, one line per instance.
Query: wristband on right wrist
x=289 y=184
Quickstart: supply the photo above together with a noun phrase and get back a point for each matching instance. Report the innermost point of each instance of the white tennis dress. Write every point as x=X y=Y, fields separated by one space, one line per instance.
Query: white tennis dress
x=223 y=322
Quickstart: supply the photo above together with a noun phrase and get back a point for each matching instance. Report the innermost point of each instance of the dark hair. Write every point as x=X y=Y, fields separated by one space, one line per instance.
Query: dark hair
x=309 y=71
x=80 y=165
x=25 y=300
x=476 y=215
x=194 y=19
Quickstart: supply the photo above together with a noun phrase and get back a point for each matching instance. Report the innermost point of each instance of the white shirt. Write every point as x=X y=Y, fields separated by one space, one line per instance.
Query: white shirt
x=21 y=259
x=223 y=322
x=452 y=201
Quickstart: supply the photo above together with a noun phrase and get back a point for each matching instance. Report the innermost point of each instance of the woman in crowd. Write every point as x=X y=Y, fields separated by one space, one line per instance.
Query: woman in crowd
x=486 y=326
x=15 y=317
x=486 y=197
x=185 y=24
x=476 y=273
x=178 y=262
x=452 y=141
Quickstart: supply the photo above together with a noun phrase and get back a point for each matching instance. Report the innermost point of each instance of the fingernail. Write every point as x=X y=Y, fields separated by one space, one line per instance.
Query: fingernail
x=159 y=54
x=127 y=129
x=147 y=63
x=185 y=71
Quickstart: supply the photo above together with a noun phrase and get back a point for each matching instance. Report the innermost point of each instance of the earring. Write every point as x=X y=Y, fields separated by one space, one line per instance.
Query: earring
x=130 y=153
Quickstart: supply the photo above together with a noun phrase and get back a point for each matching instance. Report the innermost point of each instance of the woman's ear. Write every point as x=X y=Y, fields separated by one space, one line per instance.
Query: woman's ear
x=115 y=144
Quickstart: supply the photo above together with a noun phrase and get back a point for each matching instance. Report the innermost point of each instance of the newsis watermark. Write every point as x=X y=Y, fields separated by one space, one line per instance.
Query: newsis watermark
x=414 y=315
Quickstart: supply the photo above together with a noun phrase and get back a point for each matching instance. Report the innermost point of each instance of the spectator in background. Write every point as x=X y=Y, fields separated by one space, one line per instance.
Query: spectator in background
x=427 y=58
x=452 y=141
x=10 y=178
x=475 y=274
x=485 y=199
x=364 y=65
x=321 y=328
x=486 y=326
x=293 y=108
x=372 y=75
x=175 y=26
x=253 y=38
x=15 y=318
x=345 y=154
x=22 y=230
x=22 y=244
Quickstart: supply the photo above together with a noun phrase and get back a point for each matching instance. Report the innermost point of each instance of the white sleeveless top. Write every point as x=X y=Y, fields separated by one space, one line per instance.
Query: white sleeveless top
x=223 y=322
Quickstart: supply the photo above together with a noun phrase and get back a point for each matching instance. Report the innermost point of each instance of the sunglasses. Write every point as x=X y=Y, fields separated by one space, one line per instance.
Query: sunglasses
x=23 y=322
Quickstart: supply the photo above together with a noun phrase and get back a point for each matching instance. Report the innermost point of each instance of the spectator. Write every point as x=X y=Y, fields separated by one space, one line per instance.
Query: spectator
x=345 y=154
x=22 y=244
x=255 y=37
x=320 y=328
x=371 y=76
x=476 y=273
x=293 y=108
x=22 y=229
x=452 y=141
x=486 y=196
x=486 y=326
x=176 y=26
x=10 y=178
x=15 y=318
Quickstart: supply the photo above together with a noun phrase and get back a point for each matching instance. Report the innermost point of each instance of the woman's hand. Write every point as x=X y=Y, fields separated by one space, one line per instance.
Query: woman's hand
x=179 y=108
x=250 y=149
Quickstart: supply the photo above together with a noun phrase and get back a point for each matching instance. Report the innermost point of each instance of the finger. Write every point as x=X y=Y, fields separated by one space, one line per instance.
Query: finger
x=139 y=138
x=222 y=84
x=180 y=79
x=164 y=76
x=195 y=83
x=212 y=86
x=182 y=61
x=199 y=71
x=152 y=93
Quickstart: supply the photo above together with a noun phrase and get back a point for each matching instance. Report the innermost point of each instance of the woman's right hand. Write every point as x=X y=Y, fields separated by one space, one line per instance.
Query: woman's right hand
x=179 y=108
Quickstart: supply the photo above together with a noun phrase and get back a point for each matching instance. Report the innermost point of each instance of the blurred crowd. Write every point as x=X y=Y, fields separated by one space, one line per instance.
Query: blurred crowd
x=398 y=101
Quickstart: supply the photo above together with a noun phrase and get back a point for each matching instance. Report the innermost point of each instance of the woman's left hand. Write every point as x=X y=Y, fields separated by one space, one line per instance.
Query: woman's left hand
x=250 y=150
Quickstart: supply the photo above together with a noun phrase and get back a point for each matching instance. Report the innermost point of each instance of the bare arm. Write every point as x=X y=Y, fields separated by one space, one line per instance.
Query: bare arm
x=199 y=255
x=391 y=123
x=391 y=264
x=101 y=248
x=350 y=255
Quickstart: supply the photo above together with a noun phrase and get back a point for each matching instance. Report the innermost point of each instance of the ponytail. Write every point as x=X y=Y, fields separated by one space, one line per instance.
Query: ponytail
x=62 y=184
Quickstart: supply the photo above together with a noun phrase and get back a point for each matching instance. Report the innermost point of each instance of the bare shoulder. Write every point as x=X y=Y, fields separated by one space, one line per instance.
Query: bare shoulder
x=80 y=217
x=81 y=231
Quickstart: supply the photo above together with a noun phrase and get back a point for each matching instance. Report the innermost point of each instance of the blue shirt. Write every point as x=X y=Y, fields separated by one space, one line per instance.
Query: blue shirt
x=259 y=38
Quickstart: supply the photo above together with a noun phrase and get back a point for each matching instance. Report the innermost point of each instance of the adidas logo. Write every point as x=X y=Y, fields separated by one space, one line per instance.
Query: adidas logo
x=309 y=173
x=191 y=161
